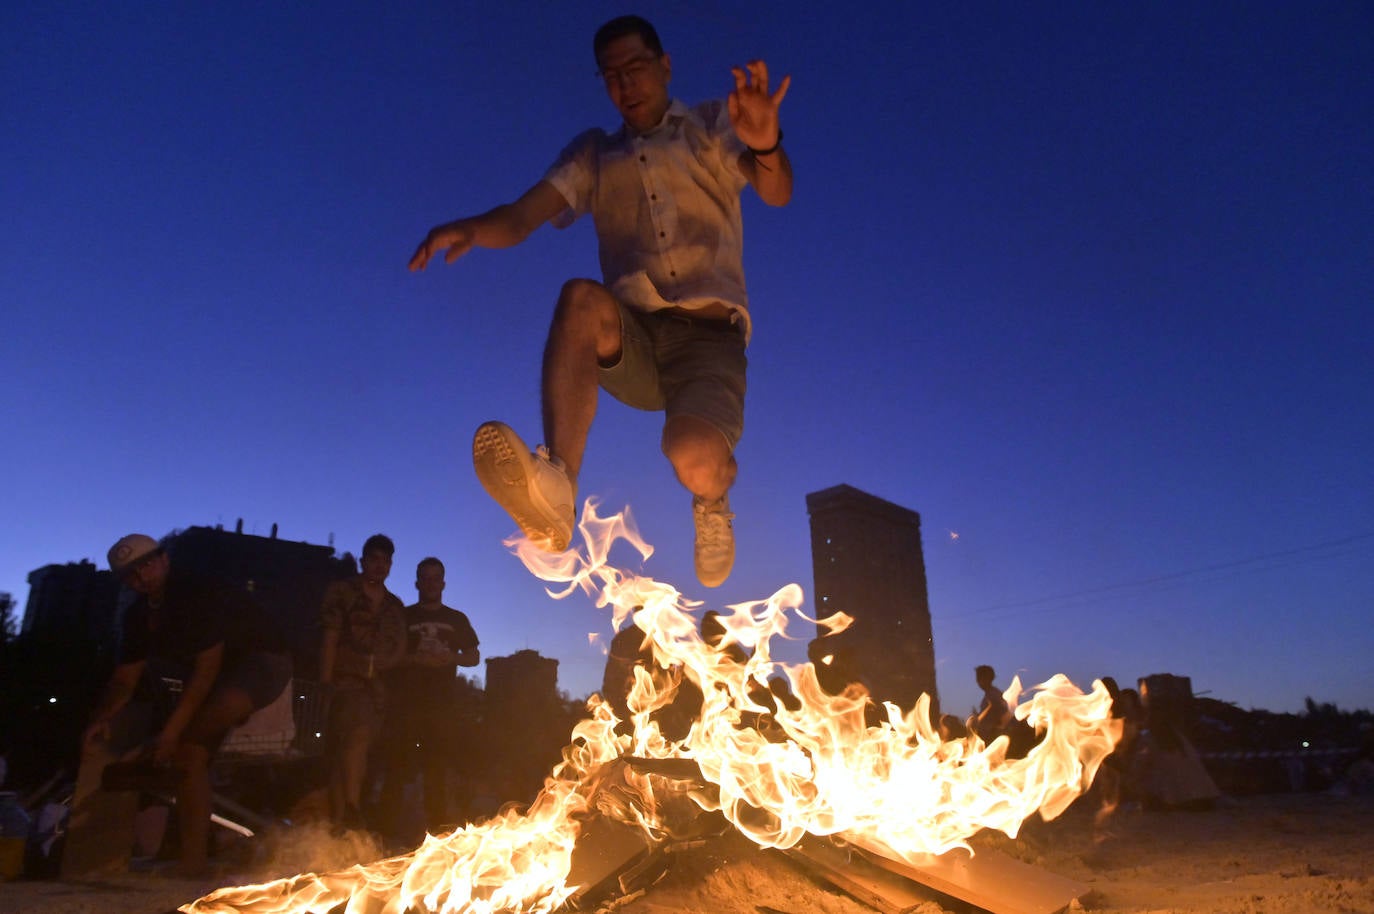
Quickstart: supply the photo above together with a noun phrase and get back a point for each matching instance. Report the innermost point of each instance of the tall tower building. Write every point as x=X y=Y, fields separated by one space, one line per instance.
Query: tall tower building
x=77 y=599
x=867 y=562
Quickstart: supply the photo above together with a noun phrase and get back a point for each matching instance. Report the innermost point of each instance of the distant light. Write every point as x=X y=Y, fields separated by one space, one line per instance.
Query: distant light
x=953 y=535
x=53 y=700
x=1306 y=744
x=317 y=734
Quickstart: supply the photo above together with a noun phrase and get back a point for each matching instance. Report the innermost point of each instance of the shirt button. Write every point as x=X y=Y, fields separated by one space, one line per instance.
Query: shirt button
x=663 y=234
x=653 y=196
x=643 y=159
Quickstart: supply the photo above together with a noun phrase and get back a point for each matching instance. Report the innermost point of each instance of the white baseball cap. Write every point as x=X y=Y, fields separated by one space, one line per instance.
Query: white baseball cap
x=130 y=549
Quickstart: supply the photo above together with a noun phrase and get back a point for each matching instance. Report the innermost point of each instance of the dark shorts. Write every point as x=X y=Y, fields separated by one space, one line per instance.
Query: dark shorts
x=683 y=366
x=261 y=675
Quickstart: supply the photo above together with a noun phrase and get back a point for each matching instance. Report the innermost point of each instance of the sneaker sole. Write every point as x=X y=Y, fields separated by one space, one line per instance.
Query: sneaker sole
x=717 y=577
x=504 y=467
x=715 y=574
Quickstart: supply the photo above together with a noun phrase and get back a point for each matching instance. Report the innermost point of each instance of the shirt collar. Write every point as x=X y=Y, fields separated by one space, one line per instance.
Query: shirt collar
x=676 y=112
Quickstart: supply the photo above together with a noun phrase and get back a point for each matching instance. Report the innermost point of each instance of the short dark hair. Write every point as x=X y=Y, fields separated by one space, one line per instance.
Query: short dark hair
x=984 y=671
x=429 y=560
x=379 y=542
x=621 y=26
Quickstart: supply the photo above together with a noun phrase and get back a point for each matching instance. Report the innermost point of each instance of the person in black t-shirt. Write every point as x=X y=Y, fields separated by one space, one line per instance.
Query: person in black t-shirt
x=218 y=643
x=425 y=712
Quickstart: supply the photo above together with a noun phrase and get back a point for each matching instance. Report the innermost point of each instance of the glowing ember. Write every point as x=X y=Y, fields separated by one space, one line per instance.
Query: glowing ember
x=813 y=763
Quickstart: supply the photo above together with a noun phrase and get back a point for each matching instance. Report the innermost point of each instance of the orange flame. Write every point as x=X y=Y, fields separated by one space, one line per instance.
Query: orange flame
x=820 y=766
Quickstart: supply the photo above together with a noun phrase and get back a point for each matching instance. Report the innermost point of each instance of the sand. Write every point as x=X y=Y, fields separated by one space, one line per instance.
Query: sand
x=1275 y=854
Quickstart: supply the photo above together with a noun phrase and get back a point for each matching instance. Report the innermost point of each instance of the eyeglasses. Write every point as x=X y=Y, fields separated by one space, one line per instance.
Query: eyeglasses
x=632 y=70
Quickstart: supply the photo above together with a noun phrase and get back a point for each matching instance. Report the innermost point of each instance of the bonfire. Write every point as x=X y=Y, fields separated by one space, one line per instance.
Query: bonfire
x=776 y=770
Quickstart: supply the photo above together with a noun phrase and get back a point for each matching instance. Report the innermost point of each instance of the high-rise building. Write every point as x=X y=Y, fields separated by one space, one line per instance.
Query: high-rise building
x=77 y=600
x=525 y=725
x=867 y=563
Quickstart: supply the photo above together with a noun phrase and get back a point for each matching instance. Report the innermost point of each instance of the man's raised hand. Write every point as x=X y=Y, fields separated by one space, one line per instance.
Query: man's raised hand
x=456 y=237
x=753 y=111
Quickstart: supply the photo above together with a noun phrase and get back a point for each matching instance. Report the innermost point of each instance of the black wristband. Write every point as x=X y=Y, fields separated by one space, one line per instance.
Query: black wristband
x=770 y=150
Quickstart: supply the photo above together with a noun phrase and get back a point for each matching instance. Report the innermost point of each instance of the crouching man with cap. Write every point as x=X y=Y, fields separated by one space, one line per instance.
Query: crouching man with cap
x=218 y=642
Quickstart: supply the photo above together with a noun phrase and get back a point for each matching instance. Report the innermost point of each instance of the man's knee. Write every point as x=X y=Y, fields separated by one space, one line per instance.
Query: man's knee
x=225 y=709
x=192 y=757
x=585 y=305
x=582 y=293
x=587 y=315
x=699 y=453
x=690 y=439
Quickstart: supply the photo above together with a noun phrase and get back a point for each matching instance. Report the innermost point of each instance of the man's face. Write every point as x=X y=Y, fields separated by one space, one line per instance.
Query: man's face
x=148 y=575
x=376 y=566
x=636 y=80
x=429 y=582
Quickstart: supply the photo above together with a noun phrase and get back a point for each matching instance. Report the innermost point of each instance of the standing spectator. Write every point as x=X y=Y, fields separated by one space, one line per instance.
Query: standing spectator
x=364 y=635
x=1112 y=783
x=425 y=709
x=993 y=712
x=230 y=661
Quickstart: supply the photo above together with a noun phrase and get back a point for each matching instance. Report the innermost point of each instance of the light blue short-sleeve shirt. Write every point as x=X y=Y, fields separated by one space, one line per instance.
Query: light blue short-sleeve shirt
x=666 y=208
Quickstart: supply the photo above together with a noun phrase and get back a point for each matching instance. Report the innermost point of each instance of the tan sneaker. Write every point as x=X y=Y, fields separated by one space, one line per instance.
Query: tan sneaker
x=715 y=543
x=533 y=487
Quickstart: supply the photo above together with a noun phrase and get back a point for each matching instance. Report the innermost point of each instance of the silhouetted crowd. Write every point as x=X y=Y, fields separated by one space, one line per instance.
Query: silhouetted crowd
x=198 y=659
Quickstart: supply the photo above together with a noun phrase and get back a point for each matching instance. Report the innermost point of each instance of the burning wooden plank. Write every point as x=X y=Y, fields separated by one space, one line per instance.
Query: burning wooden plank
x=989 y=880
x=885 y=892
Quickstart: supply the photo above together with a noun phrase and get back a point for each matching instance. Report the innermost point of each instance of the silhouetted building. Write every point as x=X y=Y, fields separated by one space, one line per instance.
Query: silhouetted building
x=287 y=578
x=77 y=599
x=523 y=679
x=524 y=728
x=867 y=561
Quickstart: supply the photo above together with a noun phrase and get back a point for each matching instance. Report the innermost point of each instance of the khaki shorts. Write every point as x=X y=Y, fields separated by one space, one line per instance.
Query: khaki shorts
x=681 y=365
x=356 y=704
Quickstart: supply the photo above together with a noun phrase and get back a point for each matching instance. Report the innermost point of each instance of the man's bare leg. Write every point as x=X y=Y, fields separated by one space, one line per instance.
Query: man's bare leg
x=584 y=334
x=705 y=466
x=225 y=709
x=193 y=808
x=354 y=771
x=700 y=456
x=539 y=489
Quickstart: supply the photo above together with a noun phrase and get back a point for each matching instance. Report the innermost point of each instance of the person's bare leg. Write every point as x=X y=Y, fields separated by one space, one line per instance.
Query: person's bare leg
x=224 y=709
x=585 y=332
x=193 y=808
x=354 y=769
x=700 y=456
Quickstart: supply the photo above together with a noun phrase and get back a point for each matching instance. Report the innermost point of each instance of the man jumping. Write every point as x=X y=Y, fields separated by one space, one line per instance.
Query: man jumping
x=667 y=326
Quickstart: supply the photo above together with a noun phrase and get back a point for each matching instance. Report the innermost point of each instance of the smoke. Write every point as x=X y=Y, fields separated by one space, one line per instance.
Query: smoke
x=313 y=847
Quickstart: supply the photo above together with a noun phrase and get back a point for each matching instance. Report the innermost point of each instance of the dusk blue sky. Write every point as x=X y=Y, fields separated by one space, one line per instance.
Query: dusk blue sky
x=1088 y=285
